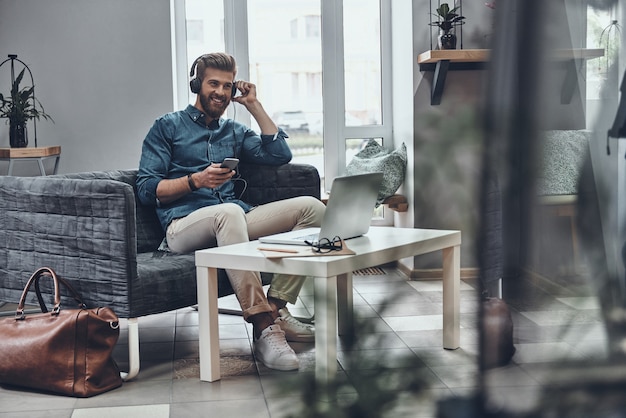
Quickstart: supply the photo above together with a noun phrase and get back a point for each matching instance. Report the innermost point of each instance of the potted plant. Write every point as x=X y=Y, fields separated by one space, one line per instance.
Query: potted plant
x=19 y=108
x=447 y=19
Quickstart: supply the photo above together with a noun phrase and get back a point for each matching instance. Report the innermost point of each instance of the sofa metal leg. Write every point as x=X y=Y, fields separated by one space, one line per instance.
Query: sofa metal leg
x=133 y=350
x=226 y=311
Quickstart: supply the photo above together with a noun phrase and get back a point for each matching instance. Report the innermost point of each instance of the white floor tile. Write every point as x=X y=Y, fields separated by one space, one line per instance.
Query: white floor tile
x=434 y=285
x=140 y=411
x=581 y=302
x=415 y=323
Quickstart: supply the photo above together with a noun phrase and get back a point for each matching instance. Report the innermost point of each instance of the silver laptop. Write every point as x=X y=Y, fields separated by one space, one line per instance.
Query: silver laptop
x=348 y=211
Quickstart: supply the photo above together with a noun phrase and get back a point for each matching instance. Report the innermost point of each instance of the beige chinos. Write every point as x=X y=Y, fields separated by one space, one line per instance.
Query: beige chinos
x=227 y=223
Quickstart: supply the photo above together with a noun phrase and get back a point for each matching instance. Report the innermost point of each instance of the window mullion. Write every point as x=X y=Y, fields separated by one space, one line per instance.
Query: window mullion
x=333 y=88
x=236 y=44
x=386 y=59
x=179 y=53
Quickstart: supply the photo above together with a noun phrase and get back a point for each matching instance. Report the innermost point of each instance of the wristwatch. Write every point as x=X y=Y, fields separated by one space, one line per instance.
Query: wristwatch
x=192 y=186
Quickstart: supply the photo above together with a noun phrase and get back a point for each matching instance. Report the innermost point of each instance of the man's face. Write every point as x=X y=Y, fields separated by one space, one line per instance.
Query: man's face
x=215 y=93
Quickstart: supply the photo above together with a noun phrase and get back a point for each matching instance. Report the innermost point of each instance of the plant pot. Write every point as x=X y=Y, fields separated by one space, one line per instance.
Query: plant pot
x=447 y=40
x=18 y=136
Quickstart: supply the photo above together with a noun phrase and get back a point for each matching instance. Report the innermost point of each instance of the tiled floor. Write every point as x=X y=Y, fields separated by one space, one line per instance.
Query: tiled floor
x=401 y=324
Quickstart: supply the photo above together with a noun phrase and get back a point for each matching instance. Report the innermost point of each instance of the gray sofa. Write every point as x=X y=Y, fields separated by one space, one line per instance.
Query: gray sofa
x=91 y=229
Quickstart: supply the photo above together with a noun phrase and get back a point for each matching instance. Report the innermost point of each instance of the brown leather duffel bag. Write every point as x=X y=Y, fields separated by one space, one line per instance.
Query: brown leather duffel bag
x=66 y=351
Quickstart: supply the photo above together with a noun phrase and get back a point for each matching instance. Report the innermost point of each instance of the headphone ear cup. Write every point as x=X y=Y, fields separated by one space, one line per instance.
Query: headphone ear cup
x=195 y=85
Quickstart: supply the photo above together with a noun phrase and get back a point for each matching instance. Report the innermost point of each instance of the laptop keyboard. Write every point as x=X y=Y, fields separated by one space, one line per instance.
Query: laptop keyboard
x=309 y=237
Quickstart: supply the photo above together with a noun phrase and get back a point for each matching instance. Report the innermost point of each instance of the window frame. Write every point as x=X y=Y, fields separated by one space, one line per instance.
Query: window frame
x=333 y=82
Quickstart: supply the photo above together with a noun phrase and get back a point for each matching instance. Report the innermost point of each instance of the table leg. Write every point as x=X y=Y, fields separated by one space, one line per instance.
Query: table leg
x=325 y=329
x=56 y=164
x=209 y=339
x=451 y=297
x=345 y=309
x=42 y=168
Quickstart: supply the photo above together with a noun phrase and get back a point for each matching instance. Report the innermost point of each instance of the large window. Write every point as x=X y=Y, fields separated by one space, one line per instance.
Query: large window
x=319 y=74
x=603 y=32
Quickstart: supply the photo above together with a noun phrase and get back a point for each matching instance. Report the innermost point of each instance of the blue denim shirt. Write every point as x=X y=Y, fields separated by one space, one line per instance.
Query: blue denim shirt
x=180 y=143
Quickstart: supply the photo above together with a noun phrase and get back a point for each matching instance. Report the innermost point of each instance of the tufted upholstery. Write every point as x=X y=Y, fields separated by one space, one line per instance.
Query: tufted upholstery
x=91 y=230
x=561 y=159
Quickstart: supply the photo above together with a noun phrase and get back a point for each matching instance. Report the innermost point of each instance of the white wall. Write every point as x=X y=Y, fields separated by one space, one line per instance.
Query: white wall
x=102 y=70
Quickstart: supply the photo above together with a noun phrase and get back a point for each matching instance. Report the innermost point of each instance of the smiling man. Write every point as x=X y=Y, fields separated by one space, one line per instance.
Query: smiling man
x=180 y=174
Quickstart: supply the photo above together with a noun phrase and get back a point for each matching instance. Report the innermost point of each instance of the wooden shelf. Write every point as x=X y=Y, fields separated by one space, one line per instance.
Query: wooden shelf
x=453 y=55
x=31 y=152
x=482 y=55
x=442 y=61
x=397 y=202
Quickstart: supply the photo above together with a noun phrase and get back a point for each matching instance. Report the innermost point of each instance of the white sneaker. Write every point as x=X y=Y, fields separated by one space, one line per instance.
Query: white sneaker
x=295 y=330
x=272 y=350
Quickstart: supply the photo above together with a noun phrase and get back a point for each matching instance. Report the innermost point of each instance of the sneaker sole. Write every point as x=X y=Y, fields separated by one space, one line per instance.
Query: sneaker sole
x=282 y=368
x=300 y=338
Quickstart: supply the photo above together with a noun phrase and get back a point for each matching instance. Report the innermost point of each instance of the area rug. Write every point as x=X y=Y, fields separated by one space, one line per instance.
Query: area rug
x=229 y=366
x=240 y=365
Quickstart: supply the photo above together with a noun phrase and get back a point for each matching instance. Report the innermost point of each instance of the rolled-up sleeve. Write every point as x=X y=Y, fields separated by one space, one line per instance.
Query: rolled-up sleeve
x=153 y=166
x=267 y=149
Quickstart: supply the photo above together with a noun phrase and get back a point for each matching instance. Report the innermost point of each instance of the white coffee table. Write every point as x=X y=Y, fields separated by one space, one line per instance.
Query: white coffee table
x=332 y=285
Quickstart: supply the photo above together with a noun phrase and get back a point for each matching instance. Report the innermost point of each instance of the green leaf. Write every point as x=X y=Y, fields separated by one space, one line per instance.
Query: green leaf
x=21 y=105
x=443 y=10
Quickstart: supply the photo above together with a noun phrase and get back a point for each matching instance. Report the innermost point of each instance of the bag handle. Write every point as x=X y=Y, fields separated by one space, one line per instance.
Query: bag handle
x=19 y=313
x=74 y=293
x=46 y=271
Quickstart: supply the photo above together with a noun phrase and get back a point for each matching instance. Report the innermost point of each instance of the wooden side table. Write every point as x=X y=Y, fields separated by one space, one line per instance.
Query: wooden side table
x=37 y=154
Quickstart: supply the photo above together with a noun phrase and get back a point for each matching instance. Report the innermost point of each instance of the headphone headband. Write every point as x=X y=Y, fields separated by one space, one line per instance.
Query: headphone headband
x=195 y=63
x=195 y=84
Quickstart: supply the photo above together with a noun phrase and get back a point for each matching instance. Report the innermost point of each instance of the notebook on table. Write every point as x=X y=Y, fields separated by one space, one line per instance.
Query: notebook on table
x=348 y=212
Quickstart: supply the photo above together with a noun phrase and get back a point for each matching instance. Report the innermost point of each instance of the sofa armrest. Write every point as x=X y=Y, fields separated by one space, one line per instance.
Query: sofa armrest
x=148 y=228
x=80 y=228
x=268 y=183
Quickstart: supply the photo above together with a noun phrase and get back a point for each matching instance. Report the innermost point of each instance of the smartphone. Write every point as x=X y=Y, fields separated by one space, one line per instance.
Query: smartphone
x=230 y=163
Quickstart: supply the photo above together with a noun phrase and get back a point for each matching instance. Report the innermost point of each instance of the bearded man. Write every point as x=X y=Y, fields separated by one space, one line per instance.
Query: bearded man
x=180 y=174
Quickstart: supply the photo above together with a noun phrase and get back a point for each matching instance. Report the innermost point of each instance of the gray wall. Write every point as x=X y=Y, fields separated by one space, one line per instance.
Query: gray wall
x=448 y=141
x=446 y=145
x=102 y=70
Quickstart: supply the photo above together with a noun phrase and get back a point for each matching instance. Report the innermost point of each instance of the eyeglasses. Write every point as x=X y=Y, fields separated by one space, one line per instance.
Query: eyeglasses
x=325 y=245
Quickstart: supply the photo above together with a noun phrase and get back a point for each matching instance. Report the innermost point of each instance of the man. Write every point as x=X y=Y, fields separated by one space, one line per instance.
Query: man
x=180 y=174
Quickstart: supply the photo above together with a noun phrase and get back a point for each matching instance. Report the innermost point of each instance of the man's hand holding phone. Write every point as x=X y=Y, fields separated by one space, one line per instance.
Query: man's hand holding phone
x=216 y=174
x=230 y=163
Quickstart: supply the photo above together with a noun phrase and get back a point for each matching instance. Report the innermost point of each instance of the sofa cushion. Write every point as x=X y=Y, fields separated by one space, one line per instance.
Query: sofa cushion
x=376 y=158
x=268 y=184
x=562 y=156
